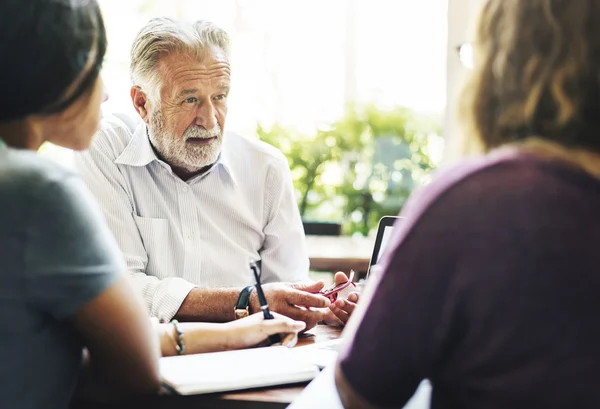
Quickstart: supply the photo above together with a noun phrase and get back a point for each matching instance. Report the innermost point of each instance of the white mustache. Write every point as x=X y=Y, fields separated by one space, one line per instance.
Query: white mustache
x=199 y=132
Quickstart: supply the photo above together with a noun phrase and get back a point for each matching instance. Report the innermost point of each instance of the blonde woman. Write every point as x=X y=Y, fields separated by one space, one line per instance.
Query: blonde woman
x=491 y=289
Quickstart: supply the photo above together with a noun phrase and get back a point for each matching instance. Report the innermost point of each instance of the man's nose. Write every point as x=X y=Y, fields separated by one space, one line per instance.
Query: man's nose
x=206 y=116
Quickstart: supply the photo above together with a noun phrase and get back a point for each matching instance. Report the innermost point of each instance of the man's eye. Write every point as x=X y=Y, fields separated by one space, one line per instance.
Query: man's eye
x=220 y=97
x=191 y=100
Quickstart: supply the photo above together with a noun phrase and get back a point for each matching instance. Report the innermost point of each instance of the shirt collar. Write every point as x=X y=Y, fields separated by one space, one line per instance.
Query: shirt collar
x=226 y=161
x=139 y=152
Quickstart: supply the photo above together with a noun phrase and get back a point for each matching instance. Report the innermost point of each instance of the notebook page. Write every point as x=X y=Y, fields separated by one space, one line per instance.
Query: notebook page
x=235 y=370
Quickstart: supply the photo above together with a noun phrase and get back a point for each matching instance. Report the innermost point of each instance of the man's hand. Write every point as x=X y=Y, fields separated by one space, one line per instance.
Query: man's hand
x=295 y=301
x=340 y=311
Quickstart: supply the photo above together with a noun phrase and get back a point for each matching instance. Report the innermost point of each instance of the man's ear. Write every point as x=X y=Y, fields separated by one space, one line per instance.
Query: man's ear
x=140 y=102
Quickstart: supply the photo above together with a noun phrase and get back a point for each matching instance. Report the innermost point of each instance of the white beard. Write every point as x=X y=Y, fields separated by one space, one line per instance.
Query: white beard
x=177 y=152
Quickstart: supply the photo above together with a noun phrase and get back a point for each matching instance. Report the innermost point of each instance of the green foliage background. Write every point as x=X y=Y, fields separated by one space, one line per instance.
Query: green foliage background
x=377 y=158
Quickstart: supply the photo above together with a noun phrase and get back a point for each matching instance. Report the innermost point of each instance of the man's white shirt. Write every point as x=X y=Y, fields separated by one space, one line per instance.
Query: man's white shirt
x=177 y=234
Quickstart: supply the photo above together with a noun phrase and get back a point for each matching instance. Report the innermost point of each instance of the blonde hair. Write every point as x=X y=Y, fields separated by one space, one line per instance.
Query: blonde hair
x=164 y=35
x=536 y=74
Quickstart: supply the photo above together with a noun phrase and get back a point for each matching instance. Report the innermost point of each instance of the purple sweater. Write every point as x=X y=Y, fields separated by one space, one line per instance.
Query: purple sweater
x=491 y=290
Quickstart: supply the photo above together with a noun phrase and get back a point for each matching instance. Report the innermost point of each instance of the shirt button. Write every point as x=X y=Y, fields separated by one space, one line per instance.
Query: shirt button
x=190 y=237
x=185 y=189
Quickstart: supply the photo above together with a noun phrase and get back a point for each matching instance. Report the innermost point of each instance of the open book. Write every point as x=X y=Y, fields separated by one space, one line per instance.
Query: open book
x=235 y=370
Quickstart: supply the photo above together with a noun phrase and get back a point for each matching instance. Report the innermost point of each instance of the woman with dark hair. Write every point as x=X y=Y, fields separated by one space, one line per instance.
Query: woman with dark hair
x=490 y=289
x=61 y=288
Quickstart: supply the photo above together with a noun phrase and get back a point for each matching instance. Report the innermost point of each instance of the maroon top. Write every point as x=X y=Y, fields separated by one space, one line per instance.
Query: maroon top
x=491 y=290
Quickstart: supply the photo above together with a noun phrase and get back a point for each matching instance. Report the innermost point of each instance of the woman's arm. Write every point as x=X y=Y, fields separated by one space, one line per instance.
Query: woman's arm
x=349 y=397
x=213 y=337
x=123 y=350
x=115 y=367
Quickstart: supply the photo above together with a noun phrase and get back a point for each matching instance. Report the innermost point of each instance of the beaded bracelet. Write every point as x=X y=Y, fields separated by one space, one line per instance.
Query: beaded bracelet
x=179 y=342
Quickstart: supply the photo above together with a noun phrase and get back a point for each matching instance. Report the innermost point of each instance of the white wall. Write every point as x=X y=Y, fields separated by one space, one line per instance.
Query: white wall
x=461 y=21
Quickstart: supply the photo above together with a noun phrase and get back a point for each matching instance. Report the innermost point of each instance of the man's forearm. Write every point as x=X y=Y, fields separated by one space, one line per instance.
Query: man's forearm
x=209 y=305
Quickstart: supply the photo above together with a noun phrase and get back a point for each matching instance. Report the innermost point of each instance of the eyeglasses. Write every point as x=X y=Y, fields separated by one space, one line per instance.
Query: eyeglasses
x=465 y=54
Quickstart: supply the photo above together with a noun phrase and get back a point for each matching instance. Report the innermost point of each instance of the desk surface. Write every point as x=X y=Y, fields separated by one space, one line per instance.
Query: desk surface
x=267 y=398
x=340 y=253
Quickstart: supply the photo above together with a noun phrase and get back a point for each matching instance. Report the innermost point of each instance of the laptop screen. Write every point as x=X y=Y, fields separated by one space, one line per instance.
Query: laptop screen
x=385 y=230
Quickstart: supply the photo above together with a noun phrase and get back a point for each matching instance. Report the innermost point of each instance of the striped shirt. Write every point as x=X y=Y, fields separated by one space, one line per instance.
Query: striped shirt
x=177 y=234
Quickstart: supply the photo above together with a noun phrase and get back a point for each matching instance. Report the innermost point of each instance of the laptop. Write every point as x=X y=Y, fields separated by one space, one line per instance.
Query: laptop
x=325 y=353
x=385 y=228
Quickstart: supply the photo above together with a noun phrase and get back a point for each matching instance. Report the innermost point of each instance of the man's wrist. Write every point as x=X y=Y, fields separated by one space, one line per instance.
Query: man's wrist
x=209 y=305
x=242 y=307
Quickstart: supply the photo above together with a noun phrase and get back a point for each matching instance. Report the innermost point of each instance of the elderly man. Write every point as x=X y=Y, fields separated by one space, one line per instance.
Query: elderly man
x=190 y=205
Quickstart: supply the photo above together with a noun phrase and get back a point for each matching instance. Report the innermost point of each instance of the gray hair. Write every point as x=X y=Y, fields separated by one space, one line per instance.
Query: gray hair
x=166 y=35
